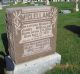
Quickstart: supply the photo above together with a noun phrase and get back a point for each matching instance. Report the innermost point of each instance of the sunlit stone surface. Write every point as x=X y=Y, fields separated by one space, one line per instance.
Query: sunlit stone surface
x=38 y=66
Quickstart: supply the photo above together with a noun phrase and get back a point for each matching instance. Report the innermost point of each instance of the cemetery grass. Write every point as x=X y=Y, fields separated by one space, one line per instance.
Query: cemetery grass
x=2 y=48
x=68 y=42
x=63 y=5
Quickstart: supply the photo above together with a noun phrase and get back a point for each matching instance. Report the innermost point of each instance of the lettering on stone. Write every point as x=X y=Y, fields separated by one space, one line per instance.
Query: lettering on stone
x=36 y=47
x=36 y=31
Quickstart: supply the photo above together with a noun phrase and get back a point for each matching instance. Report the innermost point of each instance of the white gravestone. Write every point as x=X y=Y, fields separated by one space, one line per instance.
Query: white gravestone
x=77 y=6
x=68 y=0
x=25 y=1
x=47 y=2
x=15 y=2
x=0 y=6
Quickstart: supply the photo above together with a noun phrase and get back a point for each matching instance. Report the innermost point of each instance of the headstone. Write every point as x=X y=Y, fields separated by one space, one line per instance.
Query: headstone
x=39 y=0
x=68 y=0
x=5 y=2
x=25 y=1
x=31 y=32
x=0 y=6
x=65 y=11
x=47 y=2
x=77 y=6
x=15 y=1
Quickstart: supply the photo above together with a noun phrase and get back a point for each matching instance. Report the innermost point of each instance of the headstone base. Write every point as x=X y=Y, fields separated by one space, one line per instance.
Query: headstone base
x=37 y=66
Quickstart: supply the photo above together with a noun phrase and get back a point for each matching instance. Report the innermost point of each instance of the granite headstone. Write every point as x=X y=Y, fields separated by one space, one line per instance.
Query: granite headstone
x=31 y=32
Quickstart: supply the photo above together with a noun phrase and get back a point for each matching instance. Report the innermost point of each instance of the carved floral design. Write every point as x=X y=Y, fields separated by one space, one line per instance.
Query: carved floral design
x=16 y=20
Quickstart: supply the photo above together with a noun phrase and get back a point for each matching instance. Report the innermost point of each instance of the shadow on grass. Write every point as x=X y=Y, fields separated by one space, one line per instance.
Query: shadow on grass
x=74 y=29
x=2 y=54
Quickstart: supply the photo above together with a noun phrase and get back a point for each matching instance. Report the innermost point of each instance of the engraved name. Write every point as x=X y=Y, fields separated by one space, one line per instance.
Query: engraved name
x=35 y=16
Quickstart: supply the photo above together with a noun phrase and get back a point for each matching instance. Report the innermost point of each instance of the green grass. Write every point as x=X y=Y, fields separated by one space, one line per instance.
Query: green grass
x=2 y=28
x=63 y=5
x=68 y=42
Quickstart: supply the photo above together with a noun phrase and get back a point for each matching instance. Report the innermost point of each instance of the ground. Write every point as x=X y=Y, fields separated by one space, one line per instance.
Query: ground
x=68 y=40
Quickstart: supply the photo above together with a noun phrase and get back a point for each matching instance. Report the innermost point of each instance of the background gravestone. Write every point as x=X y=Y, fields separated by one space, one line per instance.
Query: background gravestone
x=0 y=6
x=31 y=32
x=25 y=1
x=5 y=2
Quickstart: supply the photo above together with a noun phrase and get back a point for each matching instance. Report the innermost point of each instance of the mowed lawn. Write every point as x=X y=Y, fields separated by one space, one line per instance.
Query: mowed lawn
x=68 y=39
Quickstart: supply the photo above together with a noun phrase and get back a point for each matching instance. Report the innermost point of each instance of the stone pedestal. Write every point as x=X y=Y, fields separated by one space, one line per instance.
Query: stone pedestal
x=38 y=66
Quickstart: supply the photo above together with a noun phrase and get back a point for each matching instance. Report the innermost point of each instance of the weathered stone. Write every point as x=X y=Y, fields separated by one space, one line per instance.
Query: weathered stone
x=31 y=32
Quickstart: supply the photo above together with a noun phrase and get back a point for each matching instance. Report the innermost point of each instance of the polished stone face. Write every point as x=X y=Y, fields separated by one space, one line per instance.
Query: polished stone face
x=31 y=32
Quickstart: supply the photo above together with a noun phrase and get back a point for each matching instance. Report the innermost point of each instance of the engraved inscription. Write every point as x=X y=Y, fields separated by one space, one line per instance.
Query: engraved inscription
x=21 y=18
x=36 y=31
x=36 y=47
